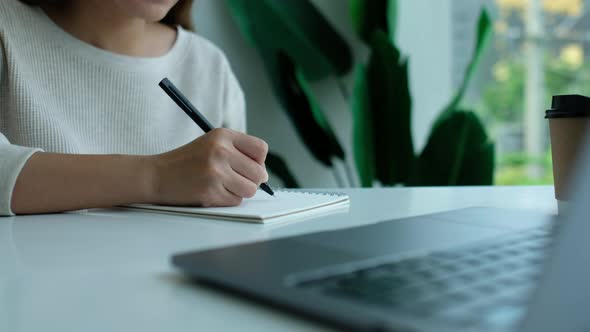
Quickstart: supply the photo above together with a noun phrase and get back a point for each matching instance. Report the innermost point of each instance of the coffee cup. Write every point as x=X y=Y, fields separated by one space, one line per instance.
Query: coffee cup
x=568 y=117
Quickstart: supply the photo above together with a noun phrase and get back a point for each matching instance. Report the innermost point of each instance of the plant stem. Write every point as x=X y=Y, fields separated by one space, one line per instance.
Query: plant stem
x=343 y=89
x=338 y=177
x=344 y=92
x=349 y=174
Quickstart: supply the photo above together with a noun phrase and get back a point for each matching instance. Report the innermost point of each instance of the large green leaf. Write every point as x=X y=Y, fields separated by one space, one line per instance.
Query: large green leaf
x=390 y=106
x=297 y=28
x=362 y=120
x=369 y=16
x=303 y=110
x=458 y=152
x=278 y=167
x=381 y=111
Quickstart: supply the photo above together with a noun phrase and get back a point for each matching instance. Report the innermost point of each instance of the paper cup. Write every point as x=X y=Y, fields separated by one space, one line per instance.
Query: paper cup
x=568 y=120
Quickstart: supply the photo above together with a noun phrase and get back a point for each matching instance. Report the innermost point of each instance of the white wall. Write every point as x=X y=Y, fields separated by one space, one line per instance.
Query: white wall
x=424 y=34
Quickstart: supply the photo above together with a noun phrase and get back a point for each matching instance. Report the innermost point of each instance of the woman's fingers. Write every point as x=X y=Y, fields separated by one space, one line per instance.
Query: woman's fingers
x=239 y=185
x=228 y=198
x=251 y=146
x=248 y=168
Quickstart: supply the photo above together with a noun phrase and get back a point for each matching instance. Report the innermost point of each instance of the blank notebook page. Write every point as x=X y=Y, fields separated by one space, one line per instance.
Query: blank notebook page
x=262 y=207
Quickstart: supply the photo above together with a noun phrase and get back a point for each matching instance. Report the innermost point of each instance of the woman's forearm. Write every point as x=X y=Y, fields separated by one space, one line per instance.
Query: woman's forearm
x=219 y=168
x=51 y=182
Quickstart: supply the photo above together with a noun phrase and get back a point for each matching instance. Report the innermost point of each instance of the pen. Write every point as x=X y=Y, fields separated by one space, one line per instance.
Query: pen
x=195 y=115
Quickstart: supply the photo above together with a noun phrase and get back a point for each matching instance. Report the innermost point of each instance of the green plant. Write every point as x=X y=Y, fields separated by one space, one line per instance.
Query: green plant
x=459 y=144
x=381 y=109
x=298 y=45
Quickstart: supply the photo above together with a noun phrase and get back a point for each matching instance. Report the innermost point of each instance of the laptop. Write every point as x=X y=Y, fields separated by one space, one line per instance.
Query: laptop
x=477 y=269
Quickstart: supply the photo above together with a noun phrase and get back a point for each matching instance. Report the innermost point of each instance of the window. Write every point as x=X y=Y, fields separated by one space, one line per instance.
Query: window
x=538 y=50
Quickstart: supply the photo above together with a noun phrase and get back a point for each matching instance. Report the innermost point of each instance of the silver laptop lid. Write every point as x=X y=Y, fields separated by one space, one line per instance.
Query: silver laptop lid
x=562 y=298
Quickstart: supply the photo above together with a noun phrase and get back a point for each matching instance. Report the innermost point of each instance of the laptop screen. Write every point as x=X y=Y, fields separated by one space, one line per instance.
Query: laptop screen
x=562 y=298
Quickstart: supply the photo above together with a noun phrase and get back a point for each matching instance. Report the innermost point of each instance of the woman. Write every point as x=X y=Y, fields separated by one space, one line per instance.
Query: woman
x=84 y=124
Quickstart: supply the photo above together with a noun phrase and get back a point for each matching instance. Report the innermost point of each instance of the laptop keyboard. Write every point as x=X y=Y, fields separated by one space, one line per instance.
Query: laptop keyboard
x=486 y=285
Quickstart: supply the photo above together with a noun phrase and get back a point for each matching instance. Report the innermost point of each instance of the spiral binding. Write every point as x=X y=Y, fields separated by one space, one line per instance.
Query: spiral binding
x=319 y=193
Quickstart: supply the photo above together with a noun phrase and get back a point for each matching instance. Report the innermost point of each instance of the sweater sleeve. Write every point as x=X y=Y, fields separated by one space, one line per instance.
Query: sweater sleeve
x=234 y=103
x=12 y=158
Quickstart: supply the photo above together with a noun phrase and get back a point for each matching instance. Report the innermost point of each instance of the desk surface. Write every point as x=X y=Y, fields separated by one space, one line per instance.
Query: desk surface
x=108 y=270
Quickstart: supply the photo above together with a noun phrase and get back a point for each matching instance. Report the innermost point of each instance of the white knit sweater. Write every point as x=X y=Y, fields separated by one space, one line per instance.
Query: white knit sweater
x=59 y=94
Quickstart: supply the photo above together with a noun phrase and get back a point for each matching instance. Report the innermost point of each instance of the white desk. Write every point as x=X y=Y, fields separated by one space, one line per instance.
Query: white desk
x=108 y=270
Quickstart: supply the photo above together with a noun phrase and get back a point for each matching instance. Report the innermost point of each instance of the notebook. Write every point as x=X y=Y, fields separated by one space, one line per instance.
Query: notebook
x=263 y=208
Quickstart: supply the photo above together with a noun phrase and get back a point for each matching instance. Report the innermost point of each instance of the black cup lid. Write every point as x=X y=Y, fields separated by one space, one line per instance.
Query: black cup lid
x=569 y=106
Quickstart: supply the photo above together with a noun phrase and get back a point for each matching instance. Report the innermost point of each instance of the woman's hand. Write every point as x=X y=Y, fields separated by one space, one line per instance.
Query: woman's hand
x=219 y=168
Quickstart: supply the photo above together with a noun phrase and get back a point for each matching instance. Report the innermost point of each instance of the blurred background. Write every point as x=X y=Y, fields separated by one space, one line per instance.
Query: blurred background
x=537 y=49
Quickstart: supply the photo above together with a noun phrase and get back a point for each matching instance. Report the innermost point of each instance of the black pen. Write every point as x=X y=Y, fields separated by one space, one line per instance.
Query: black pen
x=194 y=114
